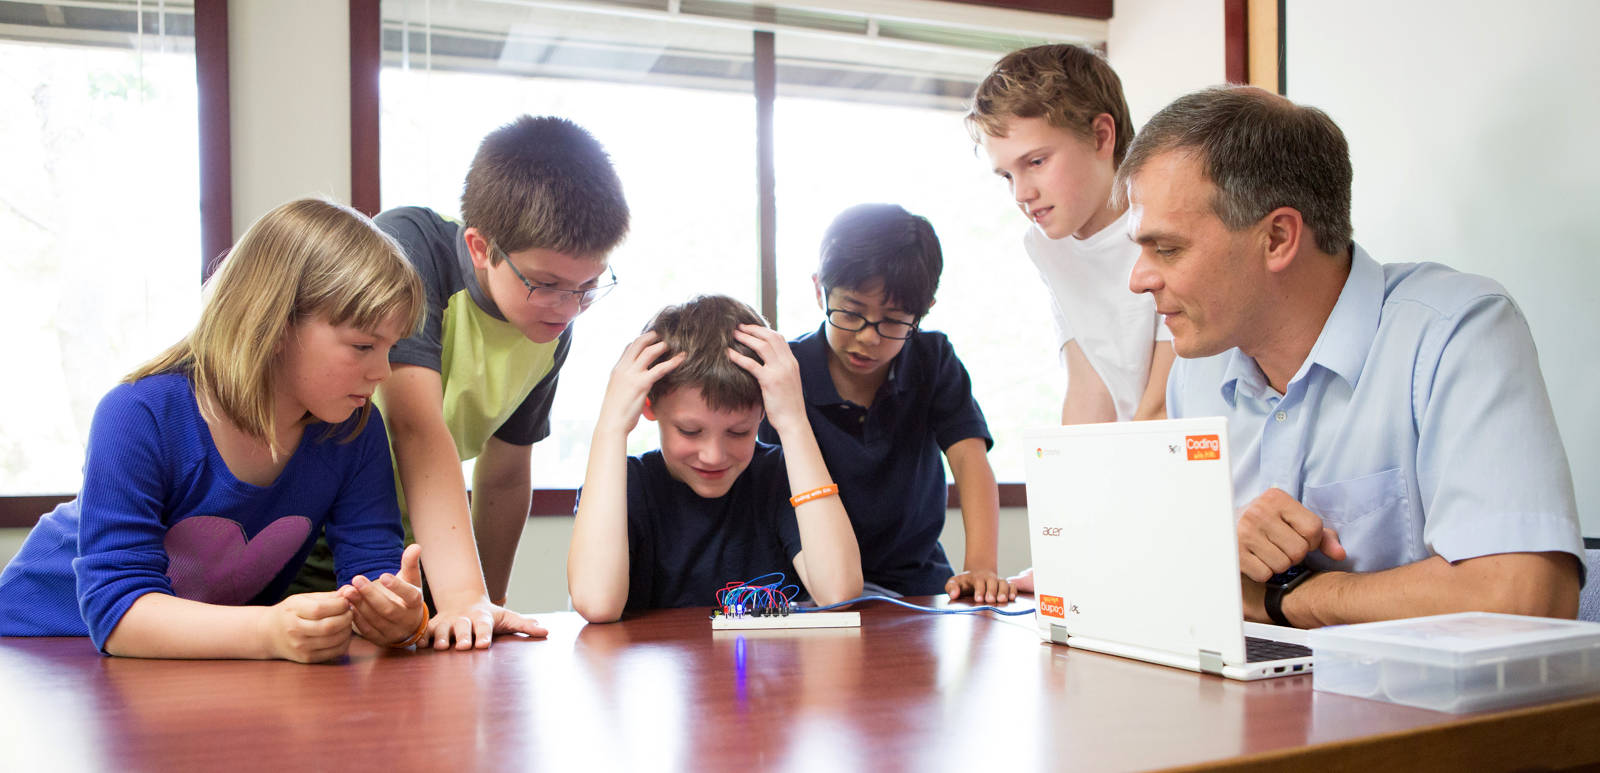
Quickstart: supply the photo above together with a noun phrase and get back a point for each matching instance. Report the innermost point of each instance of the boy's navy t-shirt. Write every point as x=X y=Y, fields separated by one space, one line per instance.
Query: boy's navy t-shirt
x=683 y=548
x=886 y=458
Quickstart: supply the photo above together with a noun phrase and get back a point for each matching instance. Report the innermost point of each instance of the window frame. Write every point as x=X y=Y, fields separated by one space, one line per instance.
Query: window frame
x=366 y=54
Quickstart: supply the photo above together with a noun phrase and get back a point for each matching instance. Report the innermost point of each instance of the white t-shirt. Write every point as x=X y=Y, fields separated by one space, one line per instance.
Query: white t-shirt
x=1115 y=328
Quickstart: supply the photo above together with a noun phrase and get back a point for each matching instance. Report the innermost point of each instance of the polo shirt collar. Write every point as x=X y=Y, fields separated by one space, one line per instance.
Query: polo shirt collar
x=469 y=276
x=1341 y=347
x=812 y=352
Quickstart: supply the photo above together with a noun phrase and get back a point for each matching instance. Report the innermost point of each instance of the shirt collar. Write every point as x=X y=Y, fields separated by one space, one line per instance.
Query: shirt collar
x=1352 y=326
x=1343 y=344
x=469 y=276
x=811 y=351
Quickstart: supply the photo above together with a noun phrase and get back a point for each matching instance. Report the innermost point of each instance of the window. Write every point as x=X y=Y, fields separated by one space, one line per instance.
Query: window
x=99 y=204
x=868 y=109
x=897 y=136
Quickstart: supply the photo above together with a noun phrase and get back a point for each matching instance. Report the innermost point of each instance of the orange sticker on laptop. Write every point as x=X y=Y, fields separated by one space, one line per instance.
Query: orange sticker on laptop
x=1203 y=447
x=1051 y=606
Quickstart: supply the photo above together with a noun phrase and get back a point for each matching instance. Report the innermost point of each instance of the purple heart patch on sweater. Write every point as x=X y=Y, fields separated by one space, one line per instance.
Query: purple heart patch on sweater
x=209 y=558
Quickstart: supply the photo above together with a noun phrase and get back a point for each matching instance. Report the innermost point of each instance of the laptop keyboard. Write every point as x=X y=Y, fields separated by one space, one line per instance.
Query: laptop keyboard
x=1257 y=650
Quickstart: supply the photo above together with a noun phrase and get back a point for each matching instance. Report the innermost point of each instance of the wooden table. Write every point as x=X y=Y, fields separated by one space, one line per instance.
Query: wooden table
x=906 y=691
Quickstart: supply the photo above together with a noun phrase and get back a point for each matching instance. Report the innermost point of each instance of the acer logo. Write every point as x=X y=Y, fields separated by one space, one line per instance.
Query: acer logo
x=1203 y=447
x=1051 y=531
x=1051 y=606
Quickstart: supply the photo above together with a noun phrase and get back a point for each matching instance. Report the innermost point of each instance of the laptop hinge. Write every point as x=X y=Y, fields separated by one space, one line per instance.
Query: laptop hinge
x=1211 y=662
x=1058 y=634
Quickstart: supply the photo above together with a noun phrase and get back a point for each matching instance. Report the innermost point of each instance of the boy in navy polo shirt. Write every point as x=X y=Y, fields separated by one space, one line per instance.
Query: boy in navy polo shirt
x=885 y=398
x=669 y=528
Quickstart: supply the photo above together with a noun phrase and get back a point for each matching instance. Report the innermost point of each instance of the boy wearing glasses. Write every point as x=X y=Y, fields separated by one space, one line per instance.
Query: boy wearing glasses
x=885 y=399
x=541 y=210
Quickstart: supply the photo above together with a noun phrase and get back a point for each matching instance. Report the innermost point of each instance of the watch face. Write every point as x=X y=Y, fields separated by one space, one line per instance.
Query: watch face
x=1288 y=576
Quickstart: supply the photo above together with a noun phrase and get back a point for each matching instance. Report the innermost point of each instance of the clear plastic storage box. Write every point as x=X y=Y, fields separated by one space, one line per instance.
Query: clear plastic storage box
x=1469 y=661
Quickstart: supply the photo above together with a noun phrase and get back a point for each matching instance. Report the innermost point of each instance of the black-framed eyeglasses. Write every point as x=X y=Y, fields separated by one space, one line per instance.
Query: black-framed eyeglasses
x=852 y=322
x=548 y=296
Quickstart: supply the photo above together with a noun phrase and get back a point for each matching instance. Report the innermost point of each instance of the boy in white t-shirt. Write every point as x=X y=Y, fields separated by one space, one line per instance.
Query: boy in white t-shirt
x=1055 y=125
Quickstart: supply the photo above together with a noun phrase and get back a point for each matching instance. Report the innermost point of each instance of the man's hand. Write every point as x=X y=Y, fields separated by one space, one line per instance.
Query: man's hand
x=308 y=627
x=1276 y=532
x=985 y=587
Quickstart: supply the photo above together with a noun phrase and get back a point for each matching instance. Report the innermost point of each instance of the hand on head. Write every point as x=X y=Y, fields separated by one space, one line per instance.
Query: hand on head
x=1277 y=532
x=631 y=380
x=777 y=372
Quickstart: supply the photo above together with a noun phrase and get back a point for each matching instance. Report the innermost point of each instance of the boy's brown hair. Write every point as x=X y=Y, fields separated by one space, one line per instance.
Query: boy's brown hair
x=703 y=328
x=545 y=183
x=1066 y=85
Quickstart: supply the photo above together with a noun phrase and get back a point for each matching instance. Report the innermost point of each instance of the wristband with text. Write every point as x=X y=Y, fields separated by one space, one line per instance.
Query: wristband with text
x=816 y=493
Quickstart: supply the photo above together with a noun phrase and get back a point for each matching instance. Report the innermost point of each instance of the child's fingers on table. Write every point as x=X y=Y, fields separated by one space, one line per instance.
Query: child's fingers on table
x=456 y=631
x=513 y=622
x=482 y=631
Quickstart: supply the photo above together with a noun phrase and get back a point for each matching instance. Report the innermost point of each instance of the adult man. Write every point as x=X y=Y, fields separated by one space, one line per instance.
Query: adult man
x=1394 y=447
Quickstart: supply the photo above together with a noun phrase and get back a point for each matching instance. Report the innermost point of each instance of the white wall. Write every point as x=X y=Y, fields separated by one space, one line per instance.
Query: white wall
x=1163 y=49
x=1473 y=140
x=289 y=88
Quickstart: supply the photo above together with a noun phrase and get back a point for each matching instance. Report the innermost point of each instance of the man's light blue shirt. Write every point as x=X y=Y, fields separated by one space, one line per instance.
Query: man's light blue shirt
x=1418 y=425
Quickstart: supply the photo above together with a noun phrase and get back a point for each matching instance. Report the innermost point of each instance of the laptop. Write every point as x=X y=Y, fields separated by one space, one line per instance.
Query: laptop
x=1134 y=549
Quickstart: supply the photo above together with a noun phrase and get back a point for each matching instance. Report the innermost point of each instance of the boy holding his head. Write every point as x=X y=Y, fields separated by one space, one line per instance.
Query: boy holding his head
x=670 y=527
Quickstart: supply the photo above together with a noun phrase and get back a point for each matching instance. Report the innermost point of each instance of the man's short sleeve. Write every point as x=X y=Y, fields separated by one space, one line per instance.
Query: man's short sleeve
x=1491 y=469
x=530 y=423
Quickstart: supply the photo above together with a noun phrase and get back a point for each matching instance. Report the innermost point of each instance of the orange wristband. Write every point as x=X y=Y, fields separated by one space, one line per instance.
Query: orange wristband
x=816 y=493
x=416 y=637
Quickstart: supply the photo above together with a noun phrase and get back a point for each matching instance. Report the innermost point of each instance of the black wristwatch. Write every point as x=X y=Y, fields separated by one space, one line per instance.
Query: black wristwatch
x=1278 y=586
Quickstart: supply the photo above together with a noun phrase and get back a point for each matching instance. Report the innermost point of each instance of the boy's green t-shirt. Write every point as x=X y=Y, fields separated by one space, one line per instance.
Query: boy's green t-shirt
x=496 y=382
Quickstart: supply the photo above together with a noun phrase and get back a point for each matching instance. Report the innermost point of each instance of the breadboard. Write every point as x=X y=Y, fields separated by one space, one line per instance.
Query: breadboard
x=799 y=620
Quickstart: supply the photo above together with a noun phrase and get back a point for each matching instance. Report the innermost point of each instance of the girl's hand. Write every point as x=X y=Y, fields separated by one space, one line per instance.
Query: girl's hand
x=308 y=627
x=777 y=372
x=389 y=610
x=476 y=626
x=631 y=380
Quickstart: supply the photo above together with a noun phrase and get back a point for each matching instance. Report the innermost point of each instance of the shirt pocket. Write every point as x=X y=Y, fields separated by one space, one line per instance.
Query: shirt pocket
x=1369 y=514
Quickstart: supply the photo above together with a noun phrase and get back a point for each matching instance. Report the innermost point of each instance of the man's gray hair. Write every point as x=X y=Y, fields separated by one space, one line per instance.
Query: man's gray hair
x=1262 y=152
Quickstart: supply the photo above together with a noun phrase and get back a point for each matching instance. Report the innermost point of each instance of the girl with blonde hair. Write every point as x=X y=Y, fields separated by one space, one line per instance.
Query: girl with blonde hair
x=211 y=469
